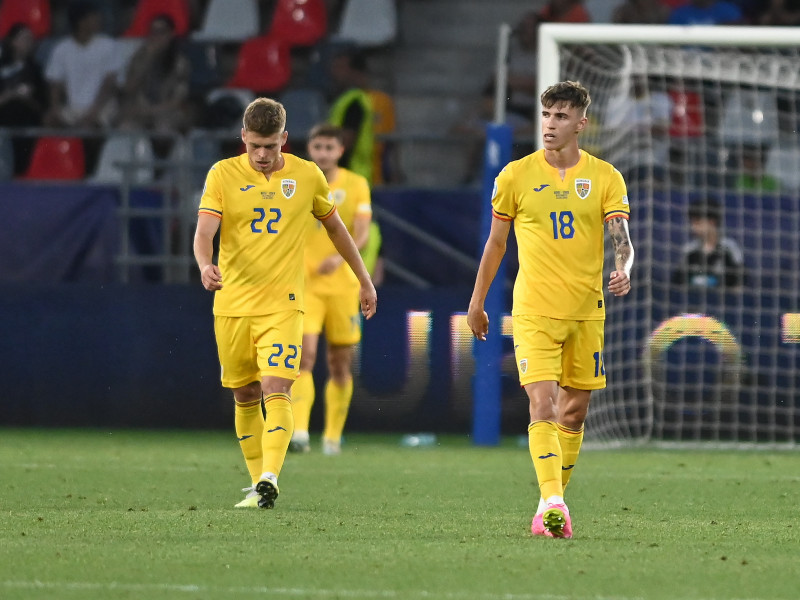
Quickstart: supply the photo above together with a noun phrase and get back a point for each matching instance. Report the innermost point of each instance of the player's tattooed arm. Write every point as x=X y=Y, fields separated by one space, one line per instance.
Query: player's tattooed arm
x=620 y=283
x=621 y=240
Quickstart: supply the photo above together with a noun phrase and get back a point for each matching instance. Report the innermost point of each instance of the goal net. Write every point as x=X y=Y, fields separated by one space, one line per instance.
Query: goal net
x=703 y=123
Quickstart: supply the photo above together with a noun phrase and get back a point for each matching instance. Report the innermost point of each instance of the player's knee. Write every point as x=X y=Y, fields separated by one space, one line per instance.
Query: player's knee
x=247 y=393
x=542 y=409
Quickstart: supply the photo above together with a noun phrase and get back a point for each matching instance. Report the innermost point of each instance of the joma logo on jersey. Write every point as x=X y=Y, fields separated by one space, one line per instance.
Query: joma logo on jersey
x=288 y=186
x=583 y=187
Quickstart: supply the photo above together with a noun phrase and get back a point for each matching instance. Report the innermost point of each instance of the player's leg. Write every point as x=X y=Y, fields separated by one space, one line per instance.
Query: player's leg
x=338 y=395
x=342 y=332
x=573 y=404
x=584 y=371
x=303 y=393
x=240 y=373
x=278 y=339
x=249 y=422
x=537 y=345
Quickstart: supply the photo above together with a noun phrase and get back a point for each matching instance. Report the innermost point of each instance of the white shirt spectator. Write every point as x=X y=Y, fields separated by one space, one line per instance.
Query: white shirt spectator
x=82 y=69
x=637 y=125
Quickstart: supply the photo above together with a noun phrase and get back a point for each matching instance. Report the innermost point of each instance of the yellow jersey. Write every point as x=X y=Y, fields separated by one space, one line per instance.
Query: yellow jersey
x=262 y=232
x=560 y=230
x=350 y=193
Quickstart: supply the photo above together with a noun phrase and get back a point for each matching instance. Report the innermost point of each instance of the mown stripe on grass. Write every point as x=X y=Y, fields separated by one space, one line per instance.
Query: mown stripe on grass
x=294 y=592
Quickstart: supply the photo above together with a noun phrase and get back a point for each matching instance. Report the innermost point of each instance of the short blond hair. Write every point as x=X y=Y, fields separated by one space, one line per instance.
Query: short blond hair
x=265 y=117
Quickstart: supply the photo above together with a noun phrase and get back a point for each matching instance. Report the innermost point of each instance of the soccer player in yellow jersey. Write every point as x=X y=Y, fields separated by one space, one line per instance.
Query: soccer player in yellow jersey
x=260 y=203
x=331 y=296
x=560 y=198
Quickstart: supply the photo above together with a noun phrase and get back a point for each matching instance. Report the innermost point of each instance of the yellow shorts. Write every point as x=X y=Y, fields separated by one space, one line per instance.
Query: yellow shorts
x=250 y=348
x=569 y=352
x=338 y=314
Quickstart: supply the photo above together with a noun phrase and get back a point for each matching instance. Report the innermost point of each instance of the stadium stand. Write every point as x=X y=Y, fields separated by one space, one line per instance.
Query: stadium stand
x=34 y=13
x=368 y=22
x=229 y=21
x=147 y=10
x=124 y=148
x=299 y=22
x=57 y=158
x=263 y=65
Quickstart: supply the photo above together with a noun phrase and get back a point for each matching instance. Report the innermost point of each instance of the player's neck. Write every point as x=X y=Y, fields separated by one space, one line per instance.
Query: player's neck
x=279 y=164
x=563 y=158
x=330 y=174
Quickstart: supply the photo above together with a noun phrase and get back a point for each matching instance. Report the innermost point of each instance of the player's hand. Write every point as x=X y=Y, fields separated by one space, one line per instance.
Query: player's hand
x=478 y=322
x=619 y=284
x=211 y=277
x=369 y=300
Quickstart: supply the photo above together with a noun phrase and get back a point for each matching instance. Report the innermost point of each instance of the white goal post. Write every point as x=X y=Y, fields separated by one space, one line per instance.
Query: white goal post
x=703 y=118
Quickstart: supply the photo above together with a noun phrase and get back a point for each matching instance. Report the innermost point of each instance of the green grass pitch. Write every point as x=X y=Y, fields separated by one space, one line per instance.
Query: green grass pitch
x=126 y=514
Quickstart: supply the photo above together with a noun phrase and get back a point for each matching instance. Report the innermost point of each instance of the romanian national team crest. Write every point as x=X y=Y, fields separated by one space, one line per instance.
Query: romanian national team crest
x=523 y=365
x=583 y=187
x=288 y=186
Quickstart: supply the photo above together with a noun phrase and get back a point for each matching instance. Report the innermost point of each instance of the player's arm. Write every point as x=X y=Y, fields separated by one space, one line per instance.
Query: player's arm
x=360 y=237
x=620 y=282
x=493 y=253
x=345 y=246
x=210 y=275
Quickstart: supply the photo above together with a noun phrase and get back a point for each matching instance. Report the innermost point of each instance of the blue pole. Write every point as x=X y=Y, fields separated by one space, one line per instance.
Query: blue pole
x=486 y=386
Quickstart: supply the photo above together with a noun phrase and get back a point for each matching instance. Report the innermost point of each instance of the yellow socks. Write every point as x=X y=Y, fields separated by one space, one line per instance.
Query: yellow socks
x=571 y=441
x=277 y=432
x=337 y=405
x=249 y=423
x=545 y=451
x=302 y=400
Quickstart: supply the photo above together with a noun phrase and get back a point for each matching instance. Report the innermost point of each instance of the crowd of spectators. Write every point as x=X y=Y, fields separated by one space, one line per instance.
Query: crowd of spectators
x=91 y=74
x=103 y=69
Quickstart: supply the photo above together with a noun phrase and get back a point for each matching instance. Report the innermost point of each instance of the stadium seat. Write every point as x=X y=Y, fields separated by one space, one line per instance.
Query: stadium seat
x=229 y=21
x=687 y=114
x=749 y=116
x=34 y=13
x=304 y=108
x=57 y=158
x=299 y=22
x=368 y=22
x=263 y=65
x=121 y=148
x=147 y=10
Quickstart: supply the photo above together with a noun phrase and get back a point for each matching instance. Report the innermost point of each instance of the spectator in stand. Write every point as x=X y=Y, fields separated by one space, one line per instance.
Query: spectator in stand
x=23 y=92
x=82 y=72
x=564 y=11
x=385 y=164
x=156 y=90
x=780 y=12
x=352 y=111
x=706 y=12
x=710 y=260
x=752 y=175
x=637 y=131
x=649 y=12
